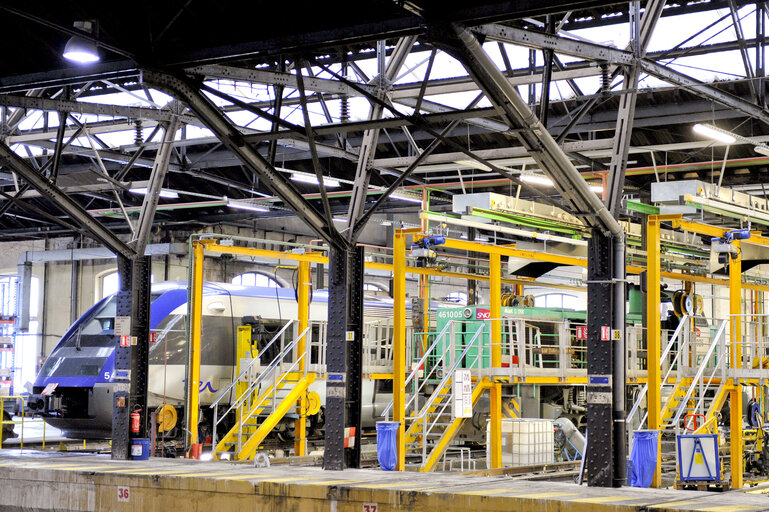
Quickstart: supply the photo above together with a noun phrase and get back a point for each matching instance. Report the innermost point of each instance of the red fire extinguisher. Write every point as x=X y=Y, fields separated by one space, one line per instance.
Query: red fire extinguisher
x=135 y=421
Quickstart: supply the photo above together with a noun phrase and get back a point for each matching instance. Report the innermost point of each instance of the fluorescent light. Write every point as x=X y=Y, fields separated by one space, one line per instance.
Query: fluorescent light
x=406 y=197
x=474 y=164
x=243 y=205
x=537 y=179
x=598 y=189
x=165 y=193
x=762 y=150
x=338 y=219
x=714 y=133
x=313 y=180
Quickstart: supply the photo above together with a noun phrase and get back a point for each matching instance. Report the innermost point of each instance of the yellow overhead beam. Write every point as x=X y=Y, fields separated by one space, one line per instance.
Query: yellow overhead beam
x=501 y=250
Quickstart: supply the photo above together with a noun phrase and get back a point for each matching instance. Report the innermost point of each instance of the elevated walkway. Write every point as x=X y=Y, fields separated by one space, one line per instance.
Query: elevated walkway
x=71 y=482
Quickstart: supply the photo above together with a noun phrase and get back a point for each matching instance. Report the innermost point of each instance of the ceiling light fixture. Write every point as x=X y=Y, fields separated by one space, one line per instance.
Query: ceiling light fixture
x=475 y=164
x=537 y=179
x=243 y=205
x=164 y=193
x=404 y=196
x=313 y=180
x=338 y=219
x=715 y=133
x=79 y=49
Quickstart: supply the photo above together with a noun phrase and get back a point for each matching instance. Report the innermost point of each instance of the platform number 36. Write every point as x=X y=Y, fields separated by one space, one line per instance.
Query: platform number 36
x=370 y=507
x=123 y=494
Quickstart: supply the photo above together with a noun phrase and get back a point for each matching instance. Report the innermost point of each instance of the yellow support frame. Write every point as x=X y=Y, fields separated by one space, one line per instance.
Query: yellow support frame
x=193 y=379
x=735 y=308
x=303 y=309
x=735 y=396
x=495 y=304
x=399 y=341
x=653 y=326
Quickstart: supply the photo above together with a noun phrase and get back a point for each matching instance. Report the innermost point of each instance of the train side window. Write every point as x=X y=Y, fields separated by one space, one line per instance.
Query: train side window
x=457 y=297
x=256 y=279
x=557 y=300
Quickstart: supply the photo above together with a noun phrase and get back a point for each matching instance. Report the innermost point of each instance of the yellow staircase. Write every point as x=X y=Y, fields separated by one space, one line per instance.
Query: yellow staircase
x=673 y=402
x=434 y=409
x=256 y=423
x=448 y=433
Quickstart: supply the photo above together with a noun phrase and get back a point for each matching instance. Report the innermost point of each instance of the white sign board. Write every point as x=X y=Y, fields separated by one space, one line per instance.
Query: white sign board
x=462 y=394
x=698 y=458
x=123 y=494
x=122 y=326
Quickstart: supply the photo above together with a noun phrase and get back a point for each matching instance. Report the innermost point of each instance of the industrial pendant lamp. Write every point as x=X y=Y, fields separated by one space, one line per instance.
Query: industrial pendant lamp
x=79 y=49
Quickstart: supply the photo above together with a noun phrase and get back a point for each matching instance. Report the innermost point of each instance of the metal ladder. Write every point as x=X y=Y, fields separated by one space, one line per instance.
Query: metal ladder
x=430 y=426
x=268 y=396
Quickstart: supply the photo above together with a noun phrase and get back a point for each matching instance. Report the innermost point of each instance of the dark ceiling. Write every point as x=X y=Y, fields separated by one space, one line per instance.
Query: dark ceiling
x=172 y=36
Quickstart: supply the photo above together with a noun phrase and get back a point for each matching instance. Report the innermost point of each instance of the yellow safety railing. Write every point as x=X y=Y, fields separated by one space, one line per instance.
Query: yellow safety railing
x=21 y=422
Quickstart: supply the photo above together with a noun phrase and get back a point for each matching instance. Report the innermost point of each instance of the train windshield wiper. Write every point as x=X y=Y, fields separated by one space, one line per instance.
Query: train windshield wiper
x=77 y=340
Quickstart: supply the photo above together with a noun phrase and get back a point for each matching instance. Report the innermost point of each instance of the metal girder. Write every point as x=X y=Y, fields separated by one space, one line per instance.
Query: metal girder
x=600 y=357
x=65 y=203
x=761 y=51
x=151 y=198
x=621 y=146
x=743 y=49
x=641 y=31
x=131 y=362
x=231 y=137
x=98 y=109
x=322 y=85
x=559 y=44
x=532 y=135
x=370 y=137
x=431 y=106
x=344 y=357
x=703 y=89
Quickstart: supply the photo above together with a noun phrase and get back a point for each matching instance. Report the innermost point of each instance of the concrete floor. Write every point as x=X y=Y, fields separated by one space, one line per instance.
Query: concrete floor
x=74 y=482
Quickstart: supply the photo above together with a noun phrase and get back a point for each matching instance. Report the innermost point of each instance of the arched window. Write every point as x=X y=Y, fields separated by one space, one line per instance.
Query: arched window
x=108 y=284
x=457 y=298
x=557 y=300
x=373 y=287
x=256 y=279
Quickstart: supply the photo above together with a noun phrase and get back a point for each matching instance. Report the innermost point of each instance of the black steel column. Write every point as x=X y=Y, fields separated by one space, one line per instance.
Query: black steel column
x=344 y=357
x=599 y=361
x=131 y=362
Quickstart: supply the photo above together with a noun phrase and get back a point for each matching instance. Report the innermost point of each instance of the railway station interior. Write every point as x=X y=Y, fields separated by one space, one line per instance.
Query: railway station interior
x=384 y=256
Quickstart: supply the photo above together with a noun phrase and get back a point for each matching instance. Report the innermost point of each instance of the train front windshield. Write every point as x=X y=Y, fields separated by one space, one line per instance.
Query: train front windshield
x=86 y=349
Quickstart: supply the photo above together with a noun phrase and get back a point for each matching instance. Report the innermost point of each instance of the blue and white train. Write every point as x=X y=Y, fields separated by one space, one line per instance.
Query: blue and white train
x=78 y=374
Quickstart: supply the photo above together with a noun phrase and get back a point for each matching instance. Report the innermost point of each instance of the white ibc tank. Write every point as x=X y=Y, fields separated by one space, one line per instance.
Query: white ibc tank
x=525 y=442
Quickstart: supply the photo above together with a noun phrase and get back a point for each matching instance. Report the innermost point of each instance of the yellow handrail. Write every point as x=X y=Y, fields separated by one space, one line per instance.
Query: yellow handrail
x=4 y=422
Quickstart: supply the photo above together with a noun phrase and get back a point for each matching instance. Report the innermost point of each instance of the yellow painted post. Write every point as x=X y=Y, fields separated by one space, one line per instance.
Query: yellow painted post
x=300 y=426
x=244 y=351
x=654 y=401
x=495 y=299
x=399 y=343
x=735 y=360
x=193 y=377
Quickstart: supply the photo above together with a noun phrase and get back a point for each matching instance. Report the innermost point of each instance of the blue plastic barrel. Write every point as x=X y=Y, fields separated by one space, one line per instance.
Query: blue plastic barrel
x=140 y=449
x=643 y=458
x=386 y=448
